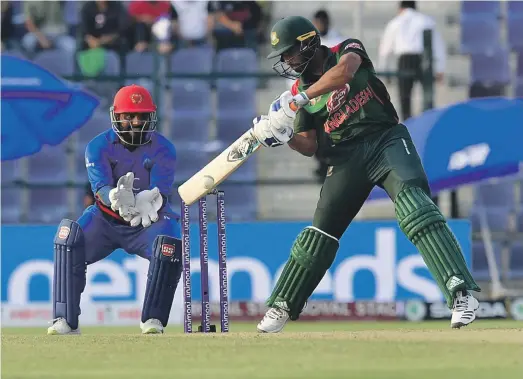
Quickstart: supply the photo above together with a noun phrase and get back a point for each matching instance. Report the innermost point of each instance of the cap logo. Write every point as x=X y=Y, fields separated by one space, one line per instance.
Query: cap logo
x=274 y=39
x=136 y=98
x=303 y=37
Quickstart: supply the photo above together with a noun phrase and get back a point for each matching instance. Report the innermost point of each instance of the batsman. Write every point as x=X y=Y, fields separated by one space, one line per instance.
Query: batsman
x=339 y=110
x=131 y=171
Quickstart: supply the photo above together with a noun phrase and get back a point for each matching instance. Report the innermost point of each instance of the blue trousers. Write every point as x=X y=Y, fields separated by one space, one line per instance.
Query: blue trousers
x=103 y=236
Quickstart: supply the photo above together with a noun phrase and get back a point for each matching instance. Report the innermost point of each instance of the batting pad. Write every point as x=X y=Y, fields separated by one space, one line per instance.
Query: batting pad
x=424 y=225
x=165 y=270
x=311 y=256
x=69 y=272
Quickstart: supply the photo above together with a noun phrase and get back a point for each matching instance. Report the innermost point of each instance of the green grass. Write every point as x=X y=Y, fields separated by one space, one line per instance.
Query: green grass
x=486 y=349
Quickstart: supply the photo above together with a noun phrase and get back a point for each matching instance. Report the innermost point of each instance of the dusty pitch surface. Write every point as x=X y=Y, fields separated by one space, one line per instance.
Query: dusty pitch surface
x=305 y=350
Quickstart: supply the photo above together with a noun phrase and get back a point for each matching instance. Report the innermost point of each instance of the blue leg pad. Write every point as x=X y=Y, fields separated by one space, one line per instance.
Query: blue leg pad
x=69 y=271
x=165 y=270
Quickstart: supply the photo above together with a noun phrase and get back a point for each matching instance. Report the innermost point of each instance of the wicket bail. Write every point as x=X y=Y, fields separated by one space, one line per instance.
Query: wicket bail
x=205 y=326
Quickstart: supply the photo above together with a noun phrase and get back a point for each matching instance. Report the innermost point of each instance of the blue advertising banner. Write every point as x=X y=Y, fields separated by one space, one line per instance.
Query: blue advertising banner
x=375 y=262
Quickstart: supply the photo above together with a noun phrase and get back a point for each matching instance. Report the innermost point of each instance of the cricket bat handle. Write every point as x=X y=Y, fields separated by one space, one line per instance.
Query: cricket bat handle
x=293 y=106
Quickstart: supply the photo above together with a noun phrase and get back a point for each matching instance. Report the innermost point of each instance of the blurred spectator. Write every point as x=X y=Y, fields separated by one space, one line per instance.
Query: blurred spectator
x=193 y=22
x=238 y=24
x=329 y=36
x=103 y=24
x=403 y=37
x=8 y=27
x=46 y=27
x=149 y=18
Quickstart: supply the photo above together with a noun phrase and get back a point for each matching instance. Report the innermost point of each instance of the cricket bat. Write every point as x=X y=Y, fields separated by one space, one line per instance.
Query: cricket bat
x=221 y=167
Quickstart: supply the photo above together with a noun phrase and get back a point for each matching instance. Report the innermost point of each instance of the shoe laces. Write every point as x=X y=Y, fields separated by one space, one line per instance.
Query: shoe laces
x=460 y=302
x=55 y=320
x=275 y=313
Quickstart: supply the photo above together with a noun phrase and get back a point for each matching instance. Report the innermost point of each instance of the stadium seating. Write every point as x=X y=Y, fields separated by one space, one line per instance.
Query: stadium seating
x=479 y=259
x=236 y=98
x=491 y=68
x=188 y=162
x=191 y=107
x=516 y=261
x=11 y=205
x=486 y=9
x=141 y=64
x=47 y=205
x=498 y=218
x=99 y=122
x=10 y=171
x=58 y=62
x=479 y=35
x=193 y=60
x=48 y=166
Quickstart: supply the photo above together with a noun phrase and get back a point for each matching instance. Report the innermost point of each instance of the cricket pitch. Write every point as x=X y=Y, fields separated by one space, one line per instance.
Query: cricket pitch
x=365 y=350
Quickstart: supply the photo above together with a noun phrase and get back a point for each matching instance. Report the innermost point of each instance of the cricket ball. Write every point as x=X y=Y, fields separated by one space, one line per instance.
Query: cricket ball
x=208 y=182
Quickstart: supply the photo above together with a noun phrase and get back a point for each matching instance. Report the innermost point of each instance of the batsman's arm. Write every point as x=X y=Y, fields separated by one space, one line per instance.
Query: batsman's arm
x=337 y=76
x=304 y=139
x=304 y=143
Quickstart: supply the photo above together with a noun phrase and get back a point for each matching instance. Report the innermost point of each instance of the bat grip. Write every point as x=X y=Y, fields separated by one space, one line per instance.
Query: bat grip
x=293 y=106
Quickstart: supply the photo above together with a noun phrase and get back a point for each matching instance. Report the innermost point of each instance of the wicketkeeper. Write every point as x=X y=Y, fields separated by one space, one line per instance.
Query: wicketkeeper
x=131 y=171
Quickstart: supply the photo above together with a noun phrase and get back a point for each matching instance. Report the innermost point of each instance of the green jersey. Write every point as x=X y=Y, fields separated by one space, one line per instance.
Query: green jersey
x=360 y=108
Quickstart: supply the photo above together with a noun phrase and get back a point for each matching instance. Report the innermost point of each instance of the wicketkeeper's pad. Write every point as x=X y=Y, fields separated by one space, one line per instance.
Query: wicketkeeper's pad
x=69 y=271
x=165 y=270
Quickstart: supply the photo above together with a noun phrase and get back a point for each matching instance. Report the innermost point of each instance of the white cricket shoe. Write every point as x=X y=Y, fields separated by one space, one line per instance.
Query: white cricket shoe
x=151 y=326
x=273 y=321
x=60 y=326
x=463 y=310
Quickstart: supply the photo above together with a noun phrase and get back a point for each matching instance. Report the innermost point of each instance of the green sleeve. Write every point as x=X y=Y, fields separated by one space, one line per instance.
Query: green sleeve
x=303 y=121
x=353 y=45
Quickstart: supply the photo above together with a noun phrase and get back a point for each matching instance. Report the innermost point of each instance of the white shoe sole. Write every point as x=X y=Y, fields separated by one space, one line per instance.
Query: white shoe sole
x=459 y=325
x=54 y=332
x=273 y=331
x=152 y=331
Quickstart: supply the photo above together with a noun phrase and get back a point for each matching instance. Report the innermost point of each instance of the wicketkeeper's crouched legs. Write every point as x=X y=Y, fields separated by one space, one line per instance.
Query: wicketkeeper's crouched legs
x=165 y=270
x=69 y=272
x=424 y=225
x=311 y=256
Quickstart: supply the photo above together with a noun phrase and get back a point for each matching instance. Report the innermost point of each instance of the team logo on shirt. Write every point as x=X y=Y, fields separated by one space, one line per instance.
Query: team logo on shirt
x=136 y=98
x=337 y=99
x=353 y=45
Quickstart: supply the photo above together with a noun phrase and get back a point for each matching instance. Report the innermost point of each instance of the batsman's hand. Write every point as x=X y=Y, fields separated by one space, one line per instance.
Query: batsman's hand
x=268 y=135
x=282 y=111
x=148 y=203
x=122 y=196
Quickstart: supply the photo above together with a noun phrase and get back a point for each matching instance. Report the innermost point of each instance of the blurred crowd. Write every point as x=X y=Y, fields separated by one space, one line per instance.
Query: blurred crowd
x=125 y=26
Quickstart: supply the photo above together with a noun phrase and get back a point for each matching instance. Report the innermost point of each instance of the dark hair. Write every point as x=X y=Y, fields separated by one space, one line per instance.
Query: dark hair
x=408 y=4
x=322 y=15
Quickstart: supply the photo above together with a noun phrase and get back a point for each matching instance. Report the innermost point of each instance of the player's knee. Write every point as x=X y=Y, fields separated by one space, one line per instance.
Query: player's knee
x=69 y=234
x=416 y=211
x=420 y=182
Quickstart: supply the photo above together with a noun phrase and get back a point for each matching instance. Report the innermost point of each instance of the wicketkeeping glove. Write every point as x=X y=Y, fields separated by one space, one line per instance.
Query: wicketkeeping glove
x=122 y=196
x=148 y=203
